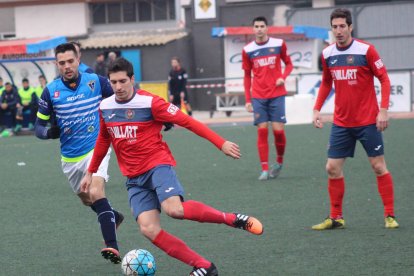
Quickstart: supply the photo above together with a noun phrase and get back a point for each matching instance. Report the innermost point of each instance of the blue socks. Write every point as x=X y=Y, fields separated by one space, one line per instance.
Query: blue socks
x=106 y=218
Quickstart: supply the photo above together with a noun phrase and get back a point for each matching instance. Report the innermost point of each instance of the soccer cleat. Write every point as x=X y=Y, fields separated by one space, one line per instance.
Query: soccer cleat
x=264 y=176
x=119 y=220
x=200 y=271
x=250 y=224
x=329 y=223
x=275 y=170
x=391 y=222
x=111 y=254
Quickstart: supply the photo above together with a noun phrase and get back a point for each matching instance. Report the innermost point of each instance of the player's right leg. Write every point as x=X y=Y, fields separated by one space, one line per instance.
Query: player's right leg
x=108 y=218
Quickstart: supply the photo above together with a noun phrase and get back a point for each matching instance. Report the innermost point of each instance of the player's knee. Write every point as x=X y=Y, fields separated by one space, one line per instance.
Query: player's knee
x=333 y=171
x=85 y=199
x=379 y=168
x=150 y=231
x=176 y=212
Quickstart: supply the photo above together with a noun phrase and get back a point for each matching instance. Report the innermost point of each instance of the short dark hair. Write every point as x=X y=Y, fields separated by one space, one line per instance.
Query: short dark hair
x=176 y=58
x=64 y=47
x=121 y=65
x=42 y=77
x=260 y=18
x=342 y=13
x=7 y=83
x=25 y=80
x=77 y=43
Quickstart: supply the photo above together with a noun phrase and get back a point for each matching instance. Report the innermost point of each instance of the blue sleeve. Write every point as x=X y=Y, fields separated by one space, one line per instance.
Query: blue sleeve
x=105 y=87
x=43 y=114
x=89 y=70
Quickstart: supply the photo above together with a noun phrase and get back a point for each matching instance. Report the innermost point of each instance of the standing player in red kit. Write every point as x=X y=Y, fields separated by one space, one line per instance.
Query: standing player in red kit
x=132 y=120
x=266 y=97
x=351 y=65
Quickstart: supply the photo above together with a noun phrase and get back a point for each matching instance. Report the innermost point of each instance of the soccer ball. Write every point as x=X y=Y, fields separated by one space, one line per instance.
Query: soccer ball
x=138 y=262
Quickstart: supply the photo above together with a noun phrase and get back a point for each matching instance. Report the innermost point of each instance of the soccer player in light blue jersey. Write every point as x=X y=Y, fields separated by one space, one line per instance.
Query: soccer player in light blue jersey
x=73 y=101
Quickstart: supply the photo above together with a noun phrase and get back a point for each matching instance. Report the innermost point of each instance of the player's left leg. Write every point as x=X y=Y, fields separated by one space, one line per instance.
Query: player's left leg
x=371 y=140
x=278 y=118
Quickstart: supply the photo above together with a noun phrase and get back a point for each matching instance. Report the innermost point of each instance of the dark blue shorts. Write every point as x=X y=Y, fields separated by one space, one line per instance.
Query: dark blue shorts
x=343 y=140
x=147 y=191
x=269 y=110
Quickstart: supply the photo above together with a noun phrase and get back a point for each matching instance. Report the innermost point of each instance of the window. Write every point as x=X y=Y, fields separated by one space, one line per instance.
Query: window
x=129 y=11
x=98 y=13
x=160 y=9
x=114 y=13
x=145 y=13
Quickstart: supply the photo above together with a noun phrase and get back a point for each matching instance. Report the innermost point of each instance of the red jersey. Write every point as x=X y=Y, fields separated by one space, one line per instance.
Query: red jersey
x=352 y=70
x=264 y=60
x=134 y=127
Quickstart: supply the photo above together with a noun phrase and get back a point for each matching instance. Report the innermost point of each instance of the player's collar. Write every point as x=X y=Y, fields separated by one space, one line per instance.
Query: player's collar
x=344 y=48
x=73 y=85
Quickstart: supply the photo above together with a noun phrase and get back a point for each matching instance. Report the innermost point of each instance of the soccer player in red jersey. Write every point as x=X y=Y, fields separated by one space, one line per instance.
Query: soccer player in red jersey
x=132 y=120
x=351 y=65
x=266 y=97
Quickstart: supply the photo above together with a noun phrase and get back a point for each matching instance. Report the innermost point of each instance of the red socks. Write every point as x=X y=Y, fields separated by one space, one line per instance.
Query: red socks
x=280 y=143
x=386 y=191
x=336 y=189
x=263 y=148
x=176 y=248
x=198 y=211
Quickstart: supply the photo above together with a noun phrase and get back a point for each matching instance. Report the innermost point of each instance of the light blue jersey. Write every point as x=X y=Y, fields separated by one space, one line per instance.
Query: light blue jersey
x=75 y=106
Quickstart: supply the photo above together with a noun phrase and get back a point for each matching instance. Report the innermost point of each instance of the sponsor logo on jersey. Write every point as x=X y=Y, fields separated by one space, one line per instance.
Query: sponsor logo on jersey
x=91 y=85
x=350 y=59
x=111 y=116
x=255 y=54
x=344 y=74
x=78 y=120
x=334 y=61
x=379 y=64
x=127 y=132
x=56 y=94
x=264 y=61
x=129 y=114
x=172 y=109
x=271 y=50
x=91 y=128
x=67 y=130
x=74 y=98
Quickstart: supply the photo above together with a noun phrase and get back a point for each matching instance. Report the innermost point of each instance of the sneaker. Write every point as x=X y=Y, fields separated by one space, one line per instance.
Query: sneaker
x=250 y=224
x=31 y=126
x=17 y=128
x=329 y=223
x=119 y=220
x=200 y=271
x=391 y=222
x=263 y=176
x=111 y=254
x=275 y=170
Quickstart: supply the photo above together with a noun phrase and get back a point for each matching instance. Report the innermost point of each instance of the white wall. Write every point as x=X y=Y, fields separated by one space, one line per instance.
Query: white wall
x=52 y=20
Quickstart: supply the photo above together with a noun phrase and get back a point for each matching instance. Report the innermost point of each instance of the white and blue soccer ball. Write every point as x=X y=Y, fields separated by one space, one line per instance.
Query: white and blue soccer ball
x=138 y=262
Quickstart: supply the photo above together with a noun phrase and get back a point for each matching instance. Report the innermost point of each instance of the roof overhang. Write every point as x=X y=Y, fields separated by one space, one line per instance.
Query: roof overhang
x=286 y=32
x=107 y=40
x=30 y=46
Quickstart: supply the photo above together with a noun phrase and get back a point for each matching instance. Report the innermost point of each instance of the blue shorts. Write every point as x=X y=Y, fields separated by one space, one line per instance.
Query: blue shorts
x=147 y=191
x=343 y=140
x=269 y=110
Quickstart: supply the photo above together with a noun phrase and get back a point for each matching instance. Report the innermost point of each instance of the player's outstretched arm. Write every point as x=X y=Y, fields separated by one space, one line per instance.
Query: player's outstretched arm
x=231 y=149
x=86 y=182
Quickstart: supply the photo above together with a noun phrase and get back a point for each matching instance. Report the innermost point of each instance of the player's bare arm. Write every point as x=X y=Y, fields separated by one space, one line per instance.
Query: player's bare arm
x=231 y=149
x=317 y=119
x=382 y=119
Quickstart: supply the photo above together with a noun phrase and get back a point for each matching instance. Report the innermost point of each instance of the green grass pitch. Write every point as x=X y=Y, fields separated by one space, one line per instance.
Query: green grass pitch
x=46 y=231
